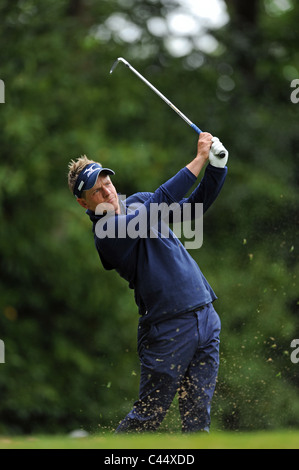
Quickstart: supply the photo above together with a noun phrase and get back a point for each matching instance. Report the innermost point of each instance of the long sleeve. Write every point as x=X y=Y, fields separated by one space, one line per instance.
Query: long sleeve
x=166 y=279
x=209 y=187
x=116 y=235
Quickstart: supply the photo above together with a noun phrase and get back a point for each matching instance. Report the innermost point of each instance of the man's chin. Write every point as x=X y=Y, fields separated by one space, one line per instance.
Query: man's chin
x=104 y=208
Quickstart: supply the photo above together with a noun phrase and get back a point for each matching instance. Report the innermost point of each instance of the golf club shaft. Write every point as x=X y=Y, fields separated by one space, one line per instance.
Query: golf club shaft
x=166 y=100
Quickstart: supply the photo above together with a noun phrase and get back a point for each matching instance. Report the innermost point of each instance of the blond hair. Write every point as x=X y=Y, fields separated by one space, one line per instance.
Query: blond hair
x=75 y=167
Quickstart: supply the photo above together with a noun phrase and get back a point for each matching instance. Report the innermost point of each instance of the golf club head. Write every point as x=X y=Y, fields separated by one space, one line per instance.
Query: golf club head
x=120 y=59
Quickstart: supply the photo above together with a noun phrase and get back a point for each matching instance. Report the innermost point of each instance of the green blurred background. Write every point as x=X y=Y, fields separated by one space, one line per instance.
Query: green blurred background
x=68 y=326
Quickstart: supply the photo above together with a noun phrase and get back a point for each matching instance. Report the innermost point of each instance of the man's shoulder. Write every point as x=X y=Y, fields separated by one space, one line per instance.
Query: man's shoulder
x=136 y=198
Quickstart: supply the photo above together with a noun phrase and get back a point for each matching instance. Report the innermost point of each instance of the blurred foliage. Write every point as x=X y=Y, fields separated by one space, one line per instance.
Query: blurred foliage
x=69 y=327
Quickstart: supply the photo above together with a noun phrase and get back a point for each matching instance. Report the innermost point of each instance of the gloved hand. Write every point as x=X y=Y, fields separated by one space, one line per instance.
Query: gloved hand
x=216 y=148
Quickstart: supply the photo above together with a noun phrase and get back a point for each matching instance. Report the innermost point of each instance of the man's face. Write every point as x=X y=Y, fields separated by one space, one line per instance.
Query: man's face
x=104 y=193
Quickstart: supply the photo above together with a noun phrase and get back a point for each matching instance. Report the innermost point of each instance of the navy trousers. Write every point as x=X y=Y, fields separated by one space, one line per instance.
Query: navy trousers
x=177 y=355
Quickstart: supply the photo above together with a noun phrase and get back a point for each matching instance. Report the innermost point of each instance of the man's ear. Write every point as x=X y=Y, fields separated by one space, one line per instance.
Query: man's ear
x=82 y=202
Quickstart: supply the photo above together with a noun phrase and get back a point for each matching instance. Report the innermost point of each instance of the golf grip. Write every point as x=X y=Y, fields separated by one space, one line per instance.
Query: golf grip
x=221 y=154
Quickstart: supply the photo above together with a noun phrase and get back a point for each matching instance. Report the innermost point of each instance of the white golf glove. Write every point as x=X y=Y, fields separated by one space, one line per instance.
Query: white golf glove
x=216 y=148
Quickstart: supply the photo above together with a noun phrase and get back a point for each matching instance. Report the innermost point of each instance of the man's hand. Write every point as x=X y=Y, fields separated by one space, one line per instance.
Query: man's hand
x=207 y=149
x=202 y=156
x=216 y=148
x=204 y=145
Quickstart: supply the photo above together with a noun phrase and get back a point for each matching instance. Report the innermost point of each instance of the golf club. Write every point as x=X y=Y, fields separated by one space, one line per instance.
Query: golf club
x=190 y=123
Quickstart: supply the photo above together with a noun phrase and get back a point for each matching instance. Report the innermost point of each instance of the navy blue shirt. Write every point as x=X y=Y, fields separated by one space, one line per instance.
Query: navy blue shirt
x=166 y=279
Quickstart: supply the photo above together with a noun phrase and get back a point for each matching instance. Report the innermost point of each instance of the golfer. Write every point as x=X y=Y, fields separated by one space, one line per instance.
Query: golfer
x=178 y=329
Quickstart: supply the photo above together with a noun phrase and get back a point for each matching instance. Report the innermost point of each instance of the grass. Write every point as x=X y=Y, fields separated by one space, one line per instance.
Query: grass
x=217 y=440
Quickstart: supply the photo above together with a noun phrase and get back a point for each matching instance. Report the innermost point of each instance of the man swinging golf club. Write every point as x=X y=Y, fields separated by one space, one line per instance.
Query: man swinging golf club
x=178 y=330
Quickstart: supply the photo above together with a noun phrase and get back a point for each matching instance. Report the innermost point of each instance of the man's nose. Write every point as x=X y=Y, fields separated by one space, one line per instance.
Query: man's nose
x=106 y=191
